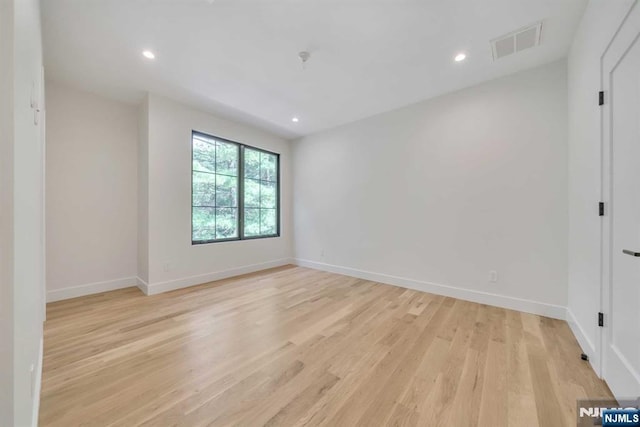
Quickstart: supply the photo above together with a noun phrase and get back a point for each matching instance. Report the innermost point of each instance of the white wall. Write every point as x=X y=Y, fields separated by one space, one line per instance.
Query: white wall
x=6 y=213
x=173 y=261
x=119 y=197
x=22 y=218
x=444 y=191
x=601 y=19
x=92 y=175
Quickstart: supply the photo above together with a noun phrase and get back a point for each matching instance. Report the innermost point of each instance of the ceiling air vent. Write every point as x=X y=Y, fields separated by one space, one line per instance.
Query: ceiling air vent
x=516 y=41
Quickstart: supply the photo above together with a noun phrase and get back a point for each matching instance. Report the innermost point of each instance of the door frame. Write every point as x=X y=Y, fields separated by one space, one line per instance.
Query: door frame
x=614 y=368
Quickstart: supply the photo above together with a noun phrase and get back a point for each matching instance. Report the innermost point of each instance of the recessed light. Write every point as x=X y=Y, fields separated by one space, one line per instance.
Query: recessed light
x=295 y=120
x=460 y=57
x=148 y=54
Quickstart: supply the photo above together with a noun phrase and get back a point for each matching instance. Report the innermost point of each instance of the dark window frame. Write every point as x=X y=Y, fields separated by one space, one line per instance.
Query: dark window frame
x=240 y=185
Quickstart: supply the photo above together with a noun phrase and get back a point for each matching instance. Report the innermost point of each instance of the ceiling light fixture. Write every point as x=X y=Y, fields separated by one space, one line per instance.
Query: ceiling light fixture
x=460 y=57
x=148 y=54
x=295 y=120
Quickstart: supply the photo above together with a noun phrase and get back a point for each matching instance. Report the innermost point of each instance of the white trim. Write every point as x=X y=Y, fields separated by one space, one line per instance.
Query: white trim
x=620 y=375
x=622 y=378
x=157 y=288
x=185 y=282
x=90 y=288
x=142 y=285
x=584 y=342
x=527 y=306
x=37 y=386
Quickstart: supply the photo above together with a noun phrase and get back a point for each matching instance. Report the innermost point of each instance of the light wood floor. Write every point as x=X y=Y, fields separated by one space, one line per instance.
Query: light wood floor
x=295 y=346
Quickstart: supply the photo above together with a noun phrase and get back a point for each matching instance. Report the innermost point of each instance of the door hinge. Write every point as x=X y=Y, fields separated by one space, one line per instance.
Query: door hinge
x=601 y=98
x=601 y=209
x=601 y=319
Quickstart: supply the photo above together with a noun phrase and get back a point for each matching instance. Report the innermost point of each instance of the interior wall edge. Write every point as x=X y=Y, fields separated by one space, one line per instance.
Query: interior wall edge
x=621 y=377
x=185 y=282
x=142 y=285
x=161 y=287
x=587 y=346
x=527 y=306
x=38 y=384
x=90 y=289
x=512 y=303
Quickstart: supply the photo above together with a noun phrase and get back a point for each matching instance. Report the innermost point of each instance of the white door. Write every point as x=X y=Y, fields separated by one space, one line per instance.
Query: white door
x=621 y=226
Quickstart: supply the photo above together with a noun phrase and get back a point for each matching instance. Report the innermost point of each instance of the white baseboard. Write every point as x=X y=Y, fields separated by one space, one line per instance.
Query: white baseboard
x=90 y=288
x=142 y=285
x=588 y=347
x=622 y=378
x=37 y=386
x=527 y=306
x=156 y=288
x=185 y=282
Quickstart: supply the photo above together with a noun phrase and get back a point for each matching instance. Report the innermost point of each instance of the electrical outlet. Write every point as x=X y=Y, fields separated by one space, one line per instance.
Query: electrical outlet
x=322 y=253
x=493 y=276
x=167 y=267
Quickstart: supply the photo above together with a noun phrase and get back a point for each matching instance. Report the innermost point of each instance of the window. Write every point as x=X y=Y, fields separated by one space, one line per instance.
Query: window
x=235 y=191
x=260 y=193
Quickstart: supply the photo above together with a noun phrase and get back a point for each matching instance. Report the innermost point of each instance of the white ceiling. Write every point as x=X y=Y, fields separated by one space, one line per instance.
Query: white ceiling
x=238 y=58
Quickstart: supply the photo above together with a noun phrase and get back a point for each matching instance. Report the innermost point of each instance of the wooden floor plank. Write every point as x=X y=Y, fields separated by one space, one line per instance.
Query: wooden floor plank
x=294 y=346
